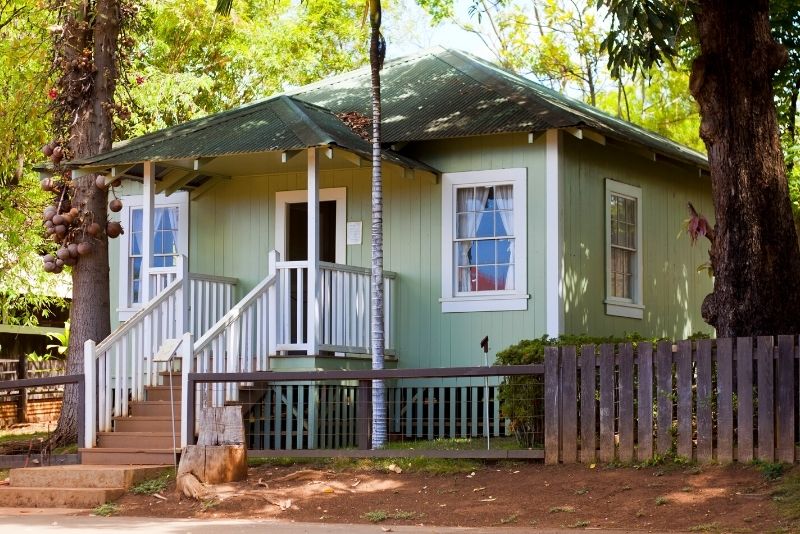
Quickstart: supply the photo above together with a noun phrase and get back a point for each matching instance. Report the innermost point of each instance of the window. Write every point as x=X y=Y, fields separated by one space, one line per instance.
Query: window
x=170 y=239
x=484 y=241
x=623 y=253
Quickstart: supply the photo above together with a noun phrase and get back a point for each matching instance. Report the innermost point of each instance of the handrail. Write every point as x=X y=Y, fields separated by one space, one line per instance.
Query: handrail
x=128 y=325
x=352 y=269
x=234 y=313
x=214 y=278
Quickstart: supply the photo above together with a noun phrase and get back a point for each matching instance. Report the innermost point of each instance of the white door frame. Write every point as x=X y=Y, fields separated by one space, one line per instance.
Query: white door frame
x=339 y=194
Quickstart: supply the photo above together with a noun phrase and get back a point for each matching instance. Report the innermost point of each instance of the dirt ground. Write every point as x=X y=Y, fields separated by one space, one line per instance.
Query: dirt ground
x=672 y=498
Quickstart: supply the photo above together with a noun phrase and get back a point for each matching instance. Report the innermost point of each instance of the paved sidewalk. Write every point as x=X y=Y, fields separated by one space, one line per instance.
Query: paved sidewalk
x=30 y=521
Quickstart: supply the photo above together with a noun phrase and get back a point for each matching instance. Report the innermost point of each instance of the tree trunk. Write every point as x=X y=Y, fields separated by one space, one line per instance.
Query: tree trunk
x=755 y=253
x=89 y=134
x=376 y=54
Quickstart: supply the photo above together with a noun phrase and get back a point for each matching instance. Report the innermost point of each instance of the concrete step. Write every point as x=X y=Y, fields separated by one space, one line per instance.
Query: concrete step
x=155 y=408
x=137 y=440
x=53 y=497
x=147 y=424
x=124 y=456
x=83 y=476
x=161 y=393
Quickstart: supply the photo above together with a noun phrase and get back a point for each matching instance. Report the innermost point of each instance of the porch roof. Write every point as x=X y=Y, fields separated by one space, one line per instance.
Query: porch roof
x=280 y=123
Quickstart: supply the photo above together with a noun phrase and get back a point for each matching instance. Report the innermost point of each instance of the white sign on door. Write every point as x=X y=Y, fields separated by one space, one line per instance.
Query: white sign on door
x=354 y=233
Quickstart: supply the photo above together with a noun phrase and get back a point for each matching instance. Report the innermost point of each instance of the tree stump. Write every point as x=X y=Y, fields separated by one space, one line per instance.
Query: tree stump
x=219 y=456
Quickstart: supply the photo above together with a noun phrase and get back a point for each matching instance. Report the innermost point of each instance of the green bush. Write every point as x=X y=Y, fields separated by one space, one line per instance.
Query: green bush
x=522 y=397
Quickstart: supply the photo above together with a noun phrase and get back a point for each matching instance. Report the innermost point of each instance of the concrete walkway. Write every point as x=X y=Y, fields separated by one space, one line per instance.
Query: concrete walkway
x=29 y=521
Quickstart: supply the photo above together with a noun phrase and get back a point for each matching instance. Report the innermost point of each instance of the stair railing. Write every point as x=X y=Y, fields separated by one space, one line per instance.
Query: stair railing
x=239 y=342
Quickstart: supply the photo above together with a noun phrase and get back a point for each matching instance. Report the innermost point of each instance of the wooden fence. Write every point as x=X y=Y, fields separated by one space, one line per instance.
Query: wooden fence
x=35 y=404
x=709 y=400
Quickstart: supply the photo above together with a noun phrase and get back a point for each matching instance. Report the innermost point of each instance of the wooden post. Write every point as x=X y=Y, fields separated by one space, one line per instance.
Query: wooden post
x=569 y=406
x=785 y=399
x=187 y=354
x=551 y=406
x=183 y=297
x=312 y=324
x=148 y=214
x=273 y=316
x=90 y=394
x=22 y=373
x=364 y=414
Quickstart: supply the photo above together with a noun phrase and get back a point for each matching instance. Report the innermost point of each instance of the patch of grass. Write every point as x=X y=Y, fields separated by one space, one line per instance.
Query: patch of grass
x=579 y=524
x=10 y=438
x=208 y=504
x=513 y=518
x=705 y=527
x=787 y=496
x=661 y=500
x=72 y=448
x=562 y=509
x=106 y=509
x=640 y=513
x=377 y=516
x=284 y=461
x=686 y=489
x=626 y=487
x=4 y=473
x=153 y=485
x=431 y=466
x=582 y=491
x=770 y=470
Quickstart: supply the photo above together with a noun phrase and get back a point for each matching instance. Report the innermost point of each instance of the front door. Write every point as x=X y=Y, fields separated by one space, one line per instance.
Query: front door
x=297 y=249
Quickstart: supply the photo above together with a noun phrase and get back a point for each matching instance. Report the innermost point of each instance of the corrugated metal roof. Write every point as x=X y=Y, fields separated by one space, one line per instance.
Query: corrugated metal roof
x=438 y=94
x=444 y=93
x=279 y=123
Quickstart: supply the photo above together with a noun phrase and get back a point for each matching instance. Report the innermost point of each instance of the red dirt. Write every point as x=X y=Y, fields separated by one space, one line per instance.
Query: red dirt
x=676 y=498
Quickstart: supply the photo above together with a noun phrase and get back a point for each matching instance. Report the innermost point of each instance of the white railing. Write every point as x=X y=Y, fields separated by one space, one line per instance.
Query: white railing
x=118 y=369
x=291 y=285
x=161 y=277
x=345 y=323
x=241 y=341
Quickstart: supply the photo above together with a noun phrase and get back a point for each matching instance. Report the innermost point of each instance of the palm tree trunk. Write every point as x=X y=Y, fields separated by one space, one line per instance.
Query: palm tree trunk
x=376 y=54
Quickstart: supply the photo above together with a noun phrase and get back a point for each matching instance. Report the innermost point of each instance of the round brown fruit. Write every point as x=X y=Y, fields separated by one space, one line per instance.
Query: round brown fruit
x=100 y=182
x=49 y=224
x=49 y=212
x=49 y=267
x=47 y=184
x=58 y=219
x=67 y=219
x=47 y=150
x=113 y=229
x=57 y=155
x=93 y=229
x=74 y=212
x=115 y=205
x=84 y=248
x=48 y=258
x=62 y=253
x=61 y=230
x=73 y=249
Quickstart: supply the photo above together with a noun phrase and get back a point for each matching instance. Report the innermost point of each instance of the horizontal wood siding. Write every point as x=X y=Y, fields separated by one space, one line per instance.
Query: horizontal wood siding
x=673 y=289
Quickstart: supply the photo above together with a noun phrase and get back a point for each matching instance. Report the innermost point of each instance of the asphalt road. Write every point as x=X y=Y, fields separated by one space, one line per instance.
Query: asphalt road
x=30 y=521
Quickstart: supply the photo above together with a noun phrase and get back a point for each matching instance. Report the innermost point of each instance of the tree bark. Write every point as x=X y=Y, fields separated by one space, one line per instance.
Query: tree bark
x=90 y=133
x=377 y=338
x=755 y=254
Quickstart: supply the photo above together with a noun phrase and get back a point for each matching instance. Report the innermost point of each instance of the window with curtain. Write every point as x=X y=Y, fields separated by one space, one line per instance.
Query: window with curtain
x=165 y=245
x=484 y=241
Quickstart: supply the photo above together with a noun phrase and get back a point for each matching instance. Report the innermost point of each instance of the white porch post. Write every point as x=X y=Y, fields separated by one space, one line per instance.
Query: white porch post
x=313 y=251
x=148 y=210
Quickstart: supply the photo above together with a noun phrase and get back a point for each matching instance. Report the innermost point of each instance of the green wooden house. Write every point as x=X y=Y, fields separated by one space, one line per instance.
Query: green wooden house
x=509 y=211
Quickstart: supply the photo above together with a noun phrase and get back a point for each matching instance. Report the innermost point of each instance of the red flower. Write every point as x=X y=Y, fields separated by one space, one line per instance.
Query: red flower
x=139 y=80
x=52 y=94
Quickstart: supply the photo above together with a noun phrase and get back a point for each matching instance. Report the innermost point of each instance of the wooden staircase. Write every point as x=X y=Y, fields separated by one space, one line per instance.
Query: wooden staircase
x=146 y=436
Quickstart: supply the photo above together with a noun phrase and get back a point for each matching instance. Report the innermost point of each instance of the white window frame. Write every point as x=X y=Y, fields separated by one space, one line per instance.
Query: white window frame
x=338 y=194
x=178 y=199
x=506 y=300
x=632 y=308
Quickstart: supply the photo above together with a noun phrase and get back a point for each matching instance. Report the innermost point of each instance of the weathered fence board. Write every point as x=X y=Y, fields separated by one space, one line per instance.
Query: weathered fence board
x=725 y=400
x=569 y=406
x=626 y=402
x=705 y=441
x=551 y=405
x=683 y=369
x=607 y=403
x=664 y=397
x=766 y=411
x=744 y=396
x=785 y=399
x=588 y=405
x=644 y=398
